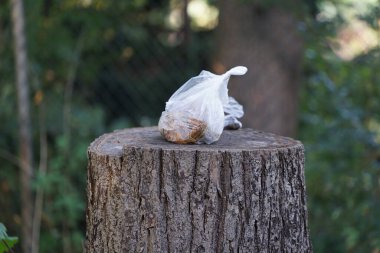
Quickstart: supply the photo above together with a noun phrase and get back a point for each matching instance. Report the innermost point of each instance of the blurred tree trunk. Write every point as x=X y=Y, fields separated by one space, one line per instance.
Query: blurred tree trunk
x=266 y=41
x=26 y=172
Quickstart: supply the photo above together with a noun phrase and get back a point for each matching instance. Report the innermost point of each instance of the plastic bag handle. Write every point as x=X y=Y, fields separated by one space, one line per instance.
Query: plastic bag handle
x=237 y=71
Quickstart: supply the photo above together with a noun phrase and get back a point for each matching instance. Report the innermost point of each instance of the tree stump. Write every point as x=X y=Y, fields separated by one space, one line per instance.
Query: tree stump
x=245 y=193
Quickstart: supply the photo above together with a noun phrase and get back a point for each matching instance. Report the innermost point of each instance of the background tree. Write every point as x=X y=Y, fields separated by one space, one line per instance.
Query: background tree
x=264 y=38
x=25 y=138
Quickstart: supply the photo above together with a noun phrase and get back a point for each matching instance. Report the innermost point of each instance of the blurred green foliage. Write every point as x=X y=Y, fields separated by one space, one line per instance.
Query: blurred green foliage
x=81 y=50
x=339 y=125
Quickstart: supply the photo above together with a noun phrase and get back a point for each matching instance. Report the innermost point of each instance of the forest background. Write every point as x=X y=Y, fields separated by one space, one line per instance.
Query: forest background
x=93 y=66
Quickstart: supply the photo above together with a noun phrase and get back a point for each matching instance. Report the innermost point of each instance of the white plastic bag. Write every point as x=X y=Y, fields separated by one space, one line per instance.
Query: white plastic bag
x=195 y=113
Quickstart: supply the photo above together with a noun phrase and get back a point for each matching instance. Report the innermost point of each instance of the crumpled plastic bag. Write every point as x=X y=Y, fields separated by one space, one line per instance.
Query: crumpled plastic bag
x=201 y=108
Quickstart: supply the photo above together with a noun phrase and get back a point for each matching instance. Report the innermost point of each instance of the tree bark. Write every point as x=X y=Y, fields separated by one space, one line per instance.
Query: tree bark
x=266 y=41
x=26 y=172
x=245 y=193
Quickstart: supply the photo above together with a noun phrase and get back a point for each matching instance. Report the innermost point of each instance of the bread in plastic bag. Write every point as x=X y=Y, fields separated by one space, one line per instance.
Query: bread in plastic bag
x=200 y=109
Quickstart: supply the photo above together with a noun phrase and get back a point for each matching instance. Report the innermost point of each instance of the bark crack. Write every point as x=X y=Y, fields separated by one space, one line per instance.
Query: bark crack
x=194 y=171
x=269 y=230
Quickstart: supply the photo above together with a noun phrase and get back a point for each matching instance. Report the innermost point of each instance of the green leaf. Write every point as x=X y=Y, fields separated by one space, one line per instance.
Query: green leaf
x=6 y=242
x=3 y=231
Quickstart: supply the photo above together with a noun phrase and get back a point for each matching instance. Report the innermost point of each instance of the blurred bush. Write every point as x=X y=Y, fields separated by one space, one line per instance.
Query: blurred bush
x=339 y=125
